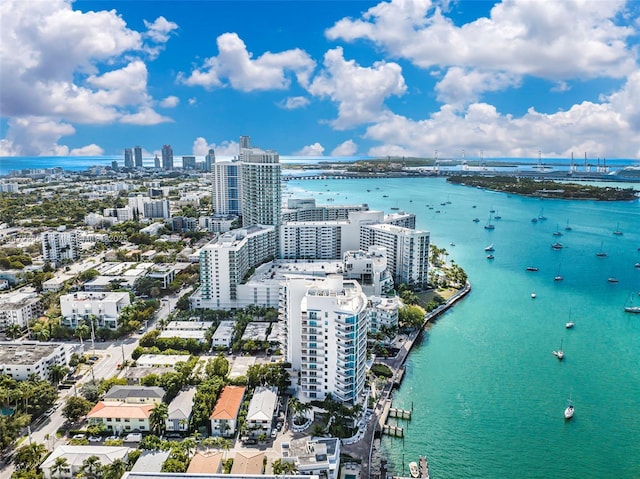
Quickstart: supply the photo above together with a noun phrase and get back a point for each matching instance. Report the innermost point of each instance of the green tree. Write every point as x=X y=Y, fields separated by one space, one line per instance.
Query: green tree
x=75 y=408
x=60 y=465
x=282 y=467
x=115 y=470
x=158 y=418
x=92 y=468
x=411 y=316
x=14 y=330
x=29 y=456
x=57 y=372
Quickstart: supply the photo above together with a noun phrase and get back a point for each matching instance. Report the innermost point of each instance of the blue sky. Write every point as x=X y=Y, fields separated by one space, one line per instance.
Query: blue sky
x=324 y=78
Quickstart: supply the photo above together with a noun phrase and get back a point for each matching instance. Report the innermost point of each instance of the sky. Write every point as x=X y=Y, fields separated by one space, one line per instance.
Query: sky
x=415 y=78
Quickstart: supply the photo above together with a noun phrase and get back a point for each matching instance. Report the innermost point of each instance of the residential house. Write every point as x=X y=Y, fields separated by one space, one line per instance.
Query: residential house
x=314 y=455
x=225 y=414
x=205 y=463
x=75 y=457
x=248 y=463
x=135 y=394
x=180 y=410
x=261 y=409
x=120 y=417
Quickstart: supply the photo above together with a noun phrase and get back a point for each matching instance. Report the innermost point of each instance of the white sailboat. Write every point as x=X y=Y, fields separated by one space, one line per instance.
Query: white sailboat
x=559 y=353
x=569 y=410
x=601 y=253
x=630 y=308
x=489 y=225
x=569 y=324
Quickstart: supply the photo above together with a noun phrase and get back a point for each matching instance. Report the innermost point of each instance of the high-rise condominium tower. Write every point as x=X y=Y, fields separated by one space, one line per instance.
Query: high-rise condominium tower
x=128 y=158
x=167 y=157
x=137 y=155
x=326 y=336
x=261 y=189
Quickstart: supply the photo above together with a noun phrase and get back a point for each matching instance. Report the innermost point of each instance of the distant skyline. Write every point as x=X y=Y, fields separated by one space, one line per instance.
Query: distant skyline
x=321 y=78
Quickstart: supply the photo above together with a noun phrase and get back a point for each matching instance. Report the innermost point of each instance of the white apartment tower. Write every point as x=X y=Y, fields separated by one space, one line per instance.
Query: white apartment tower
x=58 y=246
x=225 y=193
x=225 y=262
x=260 y=187
x=326 y=336
x=407 y=251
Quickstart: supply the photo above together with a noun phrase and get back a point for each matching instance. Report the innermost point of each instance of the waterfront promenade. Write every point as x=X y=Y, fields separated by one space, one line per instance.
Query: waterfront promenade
x=365 y=449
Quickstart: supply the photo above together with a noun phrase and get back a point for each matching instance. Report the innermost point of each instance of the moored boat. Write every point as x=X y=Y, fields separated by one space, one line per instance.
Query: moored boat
x=532 y=268
x=569 y=410
x=414 y=470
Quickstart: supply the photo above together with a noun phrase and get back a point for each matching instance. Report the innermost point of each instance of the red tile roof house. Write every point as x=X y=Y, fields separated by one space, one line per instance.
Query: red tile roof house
x=121 y=417
x=224 y=418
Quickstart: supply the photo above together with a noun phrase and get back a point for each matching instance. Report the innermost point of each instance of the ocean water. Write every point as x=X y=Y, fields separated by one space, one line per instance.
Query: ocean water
x=487 y=394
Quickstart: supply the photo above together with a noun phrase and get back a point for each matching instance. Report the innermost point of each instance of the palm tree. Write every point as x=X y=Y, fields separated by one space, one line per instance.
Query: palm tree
x=115 y=470
x=158 y=418
x=81 y=331
x=14 y=330
x=28 y=457
x=57 y=372
x=92 y=467
x=281 y=468
x=59 y=466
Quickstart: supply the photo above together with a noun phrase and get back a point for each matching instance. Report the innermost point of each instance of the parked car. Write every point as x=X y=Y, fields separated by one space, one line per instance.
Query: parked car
x=78 y=436
x=94 y=438
x=133 y=437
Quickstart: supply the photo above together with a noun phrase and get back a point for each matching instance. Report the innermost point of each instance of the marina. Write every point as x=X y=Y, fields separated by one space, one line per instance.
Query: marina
x=468 y=386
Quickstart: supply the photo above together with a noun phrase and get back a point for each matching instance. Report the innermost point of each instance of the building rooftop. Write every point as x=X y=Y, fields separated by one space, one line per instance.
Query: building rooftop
x=203 y=463
x=27 y=353
x=182 y=404
x=263 y=404
x=248 y=463
x=122 y=393
x=76 y=455
x=229 y=403
x=120 y=410
x=150 y=461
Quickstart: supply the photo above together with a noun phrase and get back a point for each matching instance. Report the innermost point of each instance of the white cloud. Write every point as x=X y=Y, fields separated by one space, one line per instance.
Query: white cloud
x=347 y=148
x=33 y=136
x=62 y=66
x=235 y=66
x=224 y=150
x=88 y=150
x=158 y=33
x=145 y=116
x=561 y=87
x=294 y=102
x=359 y=91
x=459 y=87
x=607 y=129
x=170 y=102
x=553 y=40
x=310 y=150
x=160 y=30
x=192 y=101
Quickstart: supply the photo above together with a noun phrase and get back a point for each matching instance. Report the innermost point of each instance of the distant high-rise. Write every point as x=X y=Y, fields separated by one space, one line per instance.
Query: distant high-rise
x=167 y=157
x=128 y=158
x=260 y=186
x=137 y=155
x=189 y=162
x=156 y=163
x=245 y=142
x=209 y=160
x=114 y=165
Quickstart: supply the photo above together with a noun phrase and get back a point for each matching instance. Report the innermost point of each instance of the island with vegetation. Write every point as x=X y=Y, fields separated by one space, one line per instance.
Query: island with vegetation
x=546 y=188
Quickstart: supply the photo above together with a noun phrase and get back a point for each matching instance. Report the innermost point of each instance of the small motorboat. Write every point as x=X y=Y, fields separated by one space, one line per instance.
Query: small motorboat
x=534 y=295
x=557 y=246
x=532 y=268
x=570 y=325
x=490 y=248
x=568 y=412
x=490 y=256
x=414 y=470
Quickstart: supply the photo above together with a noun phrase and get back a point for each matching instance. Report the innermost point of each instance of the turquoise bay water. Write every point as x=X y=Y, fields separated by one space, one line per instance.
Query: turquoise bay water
x=487 y=394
